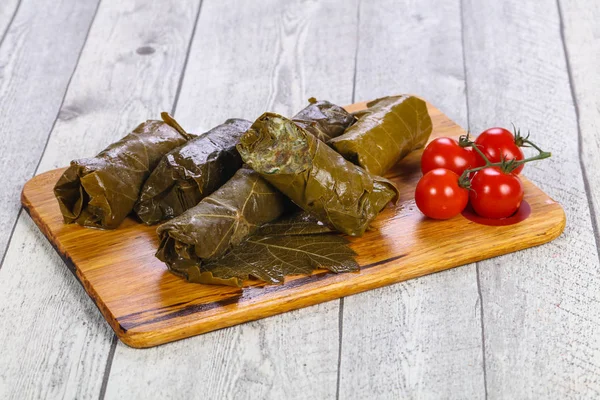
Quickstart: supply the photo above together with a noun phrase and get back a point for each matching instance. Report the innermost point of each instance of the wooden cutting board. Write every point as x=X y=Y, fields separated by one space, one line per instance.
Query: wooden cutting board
x=147 y=306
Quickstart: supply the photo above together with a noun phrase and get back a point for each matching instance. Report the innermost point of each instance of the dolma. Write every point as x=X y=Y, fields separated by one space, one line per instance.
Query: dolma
x=100 y=191
x=323 y=119
x=389 y=129
x=189 y=173
x=219 y=222
x=313 y=175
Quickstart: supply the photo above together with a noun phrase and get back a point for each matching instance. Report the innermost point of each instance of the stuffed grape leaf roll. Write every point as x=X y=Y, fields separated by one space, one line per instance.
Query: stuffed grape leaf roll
x=189 y=173
x=101 y=191
x=389 y=129
x=313 y=175
x=323 y=119
x=219 y=222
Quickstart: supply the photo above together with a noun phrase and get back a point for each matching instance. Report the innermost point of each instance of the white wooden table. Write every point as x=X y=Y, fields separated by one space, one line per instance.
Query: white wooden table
x=75 y=75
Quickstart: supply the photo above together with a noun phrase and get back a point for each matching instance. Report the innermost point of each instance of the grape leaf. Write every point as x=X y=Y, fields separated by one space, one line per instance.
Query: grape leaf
x=271 y=258
x=299 y=223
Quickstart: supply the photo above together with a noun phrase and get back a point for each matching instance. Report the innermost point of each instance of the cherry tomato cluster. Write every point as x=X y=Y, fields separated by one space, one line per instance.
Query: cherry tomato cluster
x=484 y=172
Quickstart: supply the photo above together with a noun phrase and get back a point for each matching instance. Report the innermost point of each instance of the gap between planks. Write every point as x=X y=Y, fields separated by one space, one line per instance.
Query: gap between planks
x=586 y=181
x=87 y=34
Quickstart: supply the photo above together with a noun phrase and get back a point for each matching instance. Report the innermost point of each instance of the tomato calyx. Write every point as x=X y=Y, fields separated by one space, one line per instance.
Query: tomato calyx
x=506 y=166
x=464 y=181
x=465 y=140
x=523 y=141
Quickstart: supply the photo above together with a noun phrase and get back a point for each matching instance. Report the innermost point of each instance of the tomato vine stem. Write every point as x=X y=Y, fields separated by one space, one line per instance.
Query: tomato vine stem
x=507 y=166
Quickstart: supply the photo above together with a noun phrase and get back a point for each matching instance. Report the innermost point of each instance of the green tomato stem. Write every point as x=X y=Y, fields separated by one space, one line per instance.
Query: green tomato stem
x=507 y=166
x=529 y=142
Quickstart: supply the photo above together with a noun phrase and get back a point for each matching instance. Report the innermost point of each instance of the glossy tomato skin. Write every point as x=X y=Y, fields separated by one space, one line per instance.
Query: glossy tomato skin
x=495 y=194
x=446 y=153
x=439 y=196
x=496 y=143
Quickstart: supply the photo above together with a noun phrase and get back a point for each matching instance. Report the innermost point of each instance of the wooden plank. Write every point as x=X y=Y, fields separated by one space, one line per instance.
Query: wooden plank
x=55 y=342
x=147 y=306
x=31 y=94
x=540 y=306
x=580 y=35
x=37 y=59
x=129 y=72
x=8 y=10
x=290 y=50
x=425 y=334
x=258 y=360
x=299 y=50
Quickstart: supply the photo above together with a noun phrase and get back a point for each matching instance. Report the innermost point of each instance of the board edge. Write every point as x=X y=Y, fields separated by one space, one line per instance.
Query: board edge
x=37 y=219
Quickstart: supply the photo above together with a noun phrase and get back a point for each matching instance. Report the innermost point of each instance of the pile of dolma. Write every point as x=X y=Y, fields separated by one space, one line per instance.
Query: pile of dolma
x=313 y=175
x=304 y=178
x=246 y=202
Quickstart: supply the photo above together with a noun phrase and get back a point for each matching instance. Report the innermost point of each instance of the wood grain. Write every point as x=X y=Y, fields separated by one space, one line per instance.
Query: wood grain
x=150 y=306
x=37 y=58
x=278 y=71
x=8 y=10
x=289 y=51
x=581 y=33
x=58 y=344
x=540 y=306
x=27 y=108
x=55 y=344
x=424 y=333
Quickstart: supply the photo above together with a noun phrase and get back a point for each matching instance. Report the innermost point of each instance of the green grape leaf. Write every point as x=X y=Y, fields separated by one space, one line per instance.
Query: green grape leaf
x=299 y=223
x=271 y=258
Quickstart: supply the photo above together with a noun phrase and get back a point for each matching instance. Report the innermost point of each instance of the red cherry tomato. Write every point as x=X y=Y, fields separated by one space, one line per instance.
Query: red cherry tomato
x=439 y=196
x=496 y=143
x=446 y=153
x=495 y=194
